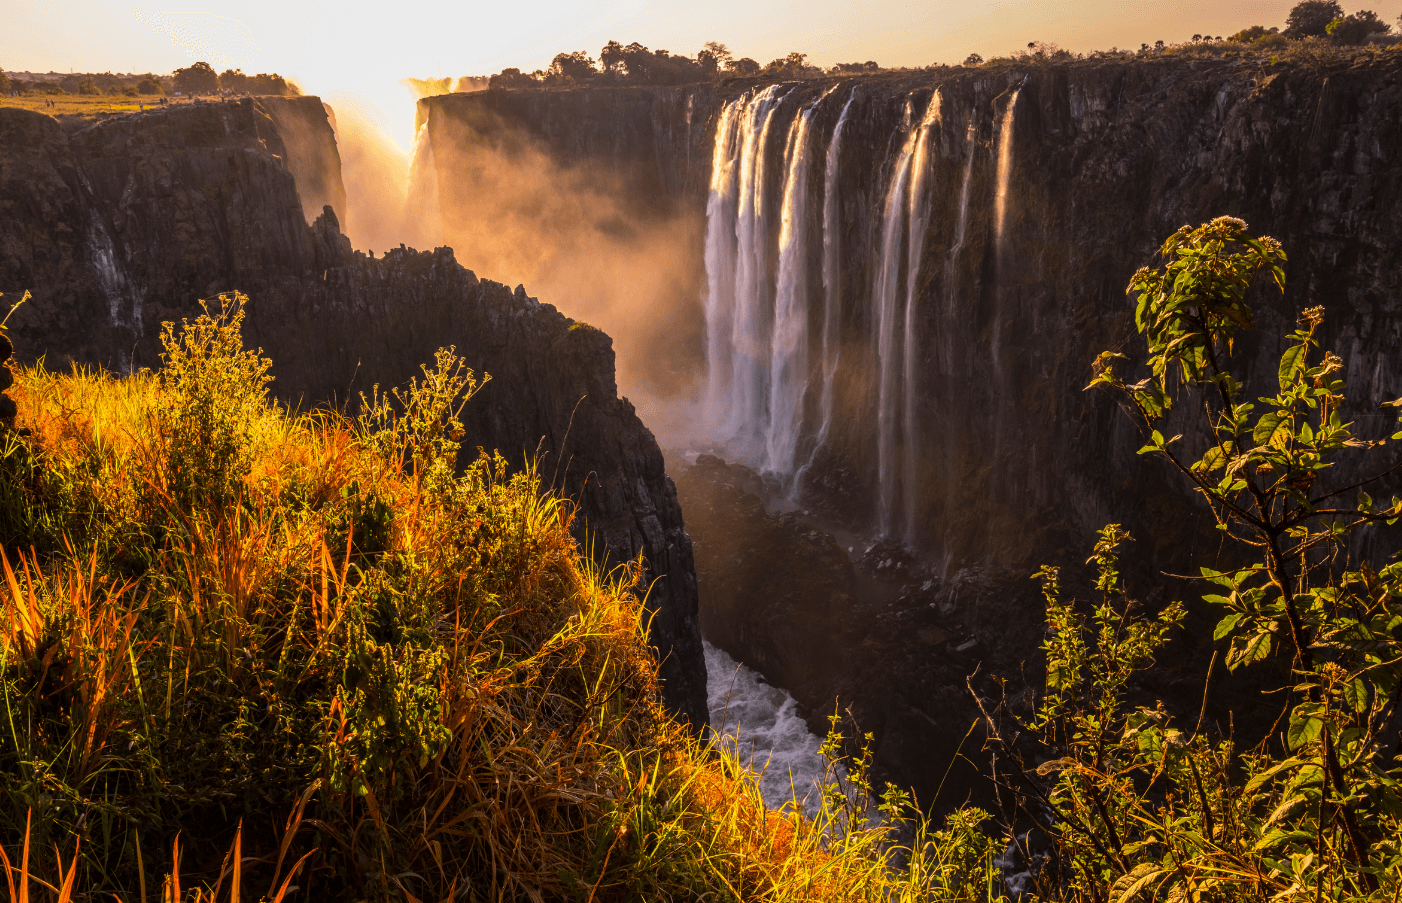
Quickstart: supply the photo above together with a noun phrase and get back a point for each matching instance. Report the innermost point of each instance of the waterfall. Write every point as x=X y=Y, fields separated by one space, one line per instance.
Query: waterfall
x=1000 y=213
x=886 y=297
x=1005 y=166
x=753 y=317
x=832 y=276
x=918 y=217
x=788 y=360
x=422 y=215
x=741 y=293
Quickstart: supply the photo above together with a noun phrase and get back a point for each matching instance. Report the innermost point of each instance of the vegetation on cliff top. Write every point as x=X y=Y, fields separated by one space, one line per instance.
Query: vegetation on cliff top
x=245 y=652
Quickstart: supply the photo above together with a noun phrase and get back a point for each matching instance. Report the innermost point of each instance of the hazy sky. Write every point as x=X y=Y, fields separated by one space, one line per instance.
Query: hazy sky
x=364 y=49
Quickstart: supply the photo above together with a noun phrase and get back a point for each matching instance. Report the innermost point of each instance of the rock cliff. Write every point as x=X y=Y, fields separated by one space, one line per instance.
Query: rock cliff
x=127 y=223
x=1038 y=192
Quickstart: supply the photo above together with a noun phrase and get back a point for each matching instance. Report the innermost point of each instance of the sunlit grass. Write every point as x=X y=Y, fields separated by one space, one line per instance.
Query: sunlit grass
x=365 y=673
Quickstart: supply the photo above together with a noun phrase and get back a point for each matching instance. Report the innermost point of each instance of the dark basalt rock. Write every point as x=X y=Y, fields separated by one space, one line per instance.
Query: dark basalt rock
x=128 y=222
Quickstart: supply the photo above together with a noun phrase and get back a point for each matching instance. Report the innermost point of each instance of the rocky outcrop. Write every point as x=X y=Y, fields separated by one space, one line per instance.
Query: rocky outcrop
x=127 y=223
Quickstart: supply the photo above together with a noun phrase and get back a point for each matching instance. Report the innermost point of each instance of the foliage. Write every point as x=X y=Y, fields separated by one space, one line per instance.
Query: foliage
x=211 y=394
x=236 y=82
x=1135 y=806
x=1311 y=18
x=149 y=85
x=199 y=78
x=312 y=653
x=1357 y=28
x=88 y=87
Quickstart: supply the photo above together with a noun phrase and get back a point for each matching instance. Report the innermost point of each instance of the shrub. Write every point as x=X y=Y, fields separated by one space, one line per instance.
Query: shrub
x=1134 y=804
x=149 y=85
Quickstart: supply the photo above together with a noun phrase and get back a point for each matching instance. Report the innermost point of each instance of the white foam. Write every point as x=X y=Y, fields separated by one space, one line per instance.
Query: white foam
x=761 y=723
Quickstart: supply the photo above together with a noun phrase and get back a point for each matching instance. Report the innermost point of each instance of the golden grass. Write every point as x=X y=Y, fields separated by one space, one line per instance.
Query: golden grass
x=394 y=682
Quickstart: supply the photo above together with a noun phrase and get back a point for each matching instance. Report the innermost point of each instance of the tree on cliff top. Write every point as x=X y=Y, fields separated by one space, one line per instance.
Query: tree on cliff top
x=197 y=79
x=1310 y=18
x=572 y=67
x=1357 y=28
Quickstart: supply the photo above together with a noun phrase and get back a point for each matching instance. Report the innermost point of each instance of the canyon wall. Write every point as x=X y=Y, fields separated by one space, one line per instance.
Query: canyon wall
x=907 y=278
x=126 y=223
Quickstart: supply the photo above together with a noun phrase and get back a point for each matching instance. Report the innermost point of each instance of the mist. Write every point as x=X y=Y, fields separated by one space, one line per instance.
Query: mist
x=578 y=236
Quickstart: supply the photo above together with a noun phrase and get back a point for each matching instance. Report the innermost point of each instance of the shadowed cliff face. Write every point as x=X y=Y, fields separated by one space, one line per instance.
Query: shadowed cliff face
x=999 y=460
x=129 y=222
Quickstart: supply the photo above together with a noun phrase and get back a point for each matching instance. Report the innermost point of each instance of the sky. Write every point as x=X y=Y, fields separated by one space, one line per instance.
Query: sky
x=358 y=52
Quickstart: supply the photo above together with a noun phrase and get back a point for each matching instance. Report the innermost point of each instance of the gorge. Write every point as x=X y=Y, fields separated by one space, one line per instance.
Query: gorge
x=858 y=313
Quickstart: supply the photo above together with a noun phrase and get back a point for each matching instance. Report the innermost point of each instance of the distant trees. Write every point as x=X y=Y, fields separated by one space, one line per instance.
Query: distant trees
x=973 y=59
x=149 y=85
x=1311 y=18
x=1357 y=28
x=88 y=88
x=572 y=67
x=713 y=58
x=234 y=81
x=855 y=68
x=744 y=68
x=5 y=86
x=197 y=79
x=511 y=78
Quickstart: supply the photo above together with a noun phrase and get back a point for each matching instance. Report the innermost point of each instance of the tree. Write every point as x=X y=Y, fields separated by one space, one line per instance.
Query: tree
x=572 y=67
x=713 y=58
x=1310 y=18
x=5 y=86
x=511 y=78
x=197 y=79
x=973 y=59
x=1139 y=804
x=1357 y=28
x=743 y=67
x=611 y=58
x=149 y=85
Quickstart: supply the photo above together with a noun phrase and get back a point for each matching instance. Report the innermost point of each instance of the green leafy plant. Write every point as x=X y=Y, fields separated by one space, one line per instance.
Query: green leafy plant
x=212 y=393
x=1142 y=809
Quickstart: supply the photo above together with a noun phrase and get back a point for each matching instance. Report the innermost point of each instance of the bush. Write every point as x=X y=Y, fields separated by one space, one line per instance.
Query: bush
x=1133 y=803
x=149 y=85
x=88 y=88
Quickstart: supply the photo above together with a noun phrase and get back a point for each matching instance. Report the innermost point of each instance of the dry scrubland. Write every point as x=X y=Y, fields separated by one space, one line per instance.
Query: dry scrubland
x=250 y=654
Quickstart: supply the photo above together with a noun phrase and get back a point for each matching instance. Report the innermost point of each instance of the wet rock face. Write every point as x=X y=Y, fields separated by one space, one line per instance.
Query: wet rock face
x=129 y=222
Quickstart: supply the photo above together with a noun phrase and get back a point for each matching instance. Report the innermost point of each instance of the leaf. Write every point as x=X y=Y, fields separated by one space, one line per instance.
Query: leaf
x=1285 y=809
x=1257 y=781
x=1225 y=625
x=1291 y=363
x=1266 y=427
x=1248 y=650
x=1128 y=886
x=1304 y=730
x=1356 y=694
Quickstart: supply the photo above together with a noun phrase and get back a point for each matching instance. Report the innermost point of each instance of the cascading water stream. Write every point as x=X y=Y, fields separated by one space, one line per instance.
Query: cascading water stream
x=918 y=217
x=788 y=359
x=886 y=297
x=753 y=314
x=832 y=272
x=1000 y=212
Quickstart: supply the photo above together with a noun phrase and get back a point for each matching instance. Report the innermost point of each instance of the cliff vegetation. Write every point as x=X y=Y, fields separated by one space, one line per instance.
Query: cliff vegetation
x=251 y=654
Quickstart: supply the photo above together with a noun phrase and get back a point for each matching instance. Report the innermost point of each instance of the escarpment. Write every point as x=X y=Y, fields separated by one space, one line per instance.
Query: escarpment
x=908 y=359
x=127 y=223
